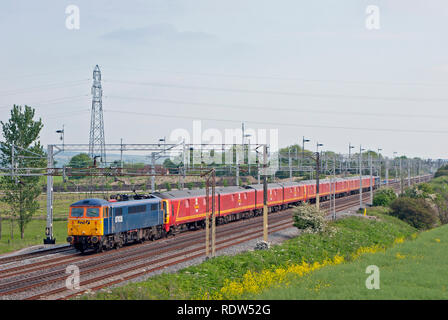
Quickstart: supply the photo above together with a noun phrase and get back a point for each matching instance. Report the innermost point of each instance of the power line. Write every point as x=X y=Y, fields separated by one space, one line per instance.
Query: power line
x=283 y=93
x=47 y=86
x=69 y=113
x=274 y=77
x=279 y=123
x=51 y=101
x=270 y=109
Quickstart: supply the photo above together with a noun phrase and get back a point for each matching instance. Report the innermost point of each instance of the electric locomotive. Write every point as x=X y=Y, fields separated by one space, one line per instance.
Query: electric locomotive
x=99 y=224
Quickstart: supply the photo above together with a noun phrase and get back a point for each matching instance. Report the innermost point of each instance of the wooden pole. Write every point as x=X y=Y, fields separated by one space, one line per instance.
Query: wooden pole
x=265 y=195
x=213 y=213
x=207 y=221
x=317 y=180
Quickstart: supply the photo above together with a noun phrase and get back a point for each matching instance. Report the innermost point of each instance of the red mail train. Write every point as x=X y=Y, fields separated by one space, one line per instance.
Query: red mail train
x=185 y=209
x=100 y=224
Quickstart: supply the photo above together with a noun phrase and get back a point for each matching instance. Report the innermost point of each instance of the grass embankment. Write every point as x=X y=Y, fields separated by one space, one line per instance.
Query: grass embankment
x=35 y=229
x=411 y=270
x=224 y=277
x=34 y=235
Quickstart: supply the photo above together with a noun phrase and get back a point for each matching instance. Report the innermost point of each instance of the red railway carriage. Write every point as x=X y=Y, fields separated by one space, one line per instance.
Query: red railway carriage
x=187 y=208
x=309 y=188
x=275 y=194
x=183 y=206
x=341 y=186
x=233 y=200
x=292 y=192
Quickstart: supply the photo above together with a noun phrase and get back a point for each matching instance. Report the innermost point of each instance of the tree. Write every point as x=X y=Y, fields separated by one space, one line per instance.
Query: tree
x=21 y=193
x=442 y=171
x=81 y=160
x=384 y=197
x=415 y=211
x=169 y=164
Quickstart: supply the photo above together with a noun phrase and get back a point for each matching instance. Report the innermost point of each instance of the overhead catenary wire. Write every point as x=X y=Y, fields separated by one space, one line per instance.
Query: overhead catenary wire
x=45 y=86
x=283 y=109
x=278 y=123
x=283 y=93
x=282 y=78
x=51 y=101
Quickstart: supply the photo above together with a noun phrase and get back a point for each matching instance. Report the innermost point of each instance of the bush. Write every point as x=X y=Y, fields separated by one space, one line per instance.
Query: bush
x=423 y=190
x=168 y=186
x=442 y=171
x=417 y=212
x=309 y=219
x=384 y=197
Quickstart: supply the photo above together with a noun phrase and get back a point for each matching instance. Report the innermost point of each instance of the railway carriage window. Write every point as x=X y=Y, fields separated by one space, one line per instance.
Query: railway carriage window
x=77 y=212
x=118 y=211
x=154 y=207
x=93 y=212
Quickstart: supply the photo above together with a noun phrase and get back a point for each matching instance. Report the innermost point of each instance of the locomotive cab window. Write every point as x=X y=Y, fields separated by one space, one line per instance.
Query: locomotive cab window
x=118 y=211
x=106 y=212
x=93 y=212
x=77 y=212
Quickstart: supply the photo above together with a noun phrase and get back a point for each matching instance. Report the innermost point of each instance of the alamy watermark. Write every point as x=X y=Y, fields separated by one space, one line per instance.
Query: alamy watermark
x=228 y=146
x=73 y=280
x=73 y=20
x=373 y=17
x=373 y=281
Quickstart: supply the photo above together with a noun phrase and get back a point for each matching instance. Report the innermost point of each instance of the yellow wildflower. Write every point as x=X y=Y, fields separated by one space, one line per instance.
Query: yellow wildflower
x=399 y=256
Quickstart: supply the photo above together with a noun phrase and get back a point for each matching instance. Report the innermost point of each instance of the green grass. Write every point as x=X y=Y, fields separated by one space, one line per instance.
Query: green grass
x=35 y=230
x=210 y=276
x=34 y=234
x=412 y=270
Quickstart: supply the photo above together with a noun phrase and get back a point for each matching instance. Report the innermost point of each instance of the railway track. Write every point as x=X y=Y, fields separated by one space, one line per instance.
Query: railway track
x=36 y=254
x=45 y=279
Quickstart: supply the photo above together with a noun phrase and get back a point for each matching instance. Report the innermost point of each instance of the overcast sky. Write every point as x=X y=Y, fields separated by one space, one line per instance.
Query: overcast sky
x=306 y=68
